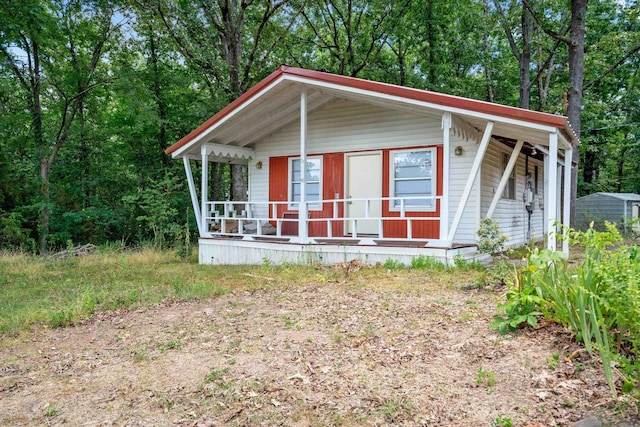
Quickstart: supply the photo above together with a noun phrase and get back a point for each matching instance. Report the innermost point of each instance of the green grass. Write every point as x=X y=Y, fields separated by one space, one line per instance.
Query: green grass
x=42 y=291
x=45 y=291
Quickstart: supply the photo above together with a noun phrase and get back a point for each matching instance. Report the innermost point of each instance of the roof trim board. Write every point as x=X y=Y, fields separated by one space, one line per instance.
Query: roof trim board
x=455 y=104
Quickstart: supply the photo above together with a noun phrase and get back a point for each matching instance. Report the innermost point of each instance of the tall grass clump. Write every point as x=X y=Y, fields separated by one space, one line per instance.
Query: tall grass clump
x=599 y=299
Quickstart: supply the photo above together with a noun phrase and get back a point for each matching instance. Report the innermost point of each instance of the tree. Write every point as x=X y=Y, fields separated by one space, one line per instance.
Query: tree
x=241 y=34
x=54 y=51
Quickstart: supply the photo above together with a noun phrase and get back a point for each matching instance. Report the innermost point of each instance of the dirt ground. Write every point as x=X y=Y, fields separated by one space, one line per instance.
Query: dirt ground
x=327 y=354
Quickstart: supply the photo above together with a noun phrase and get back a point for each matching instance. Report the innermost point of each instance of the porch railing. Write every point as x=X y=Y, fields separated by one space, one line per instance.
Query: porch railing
x=248 y=218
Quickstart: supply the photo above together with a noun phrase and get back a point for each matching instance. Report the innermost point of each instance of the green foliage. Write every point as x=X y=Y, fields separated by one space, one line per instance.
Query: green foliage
x=426 y=262
x=107 y=175
x=599 y=299
x=392 y=264
x=490 y=238
x=13 y=235
x=486 y=378
x=503 y=421
x=156 y=214
x=521 y=307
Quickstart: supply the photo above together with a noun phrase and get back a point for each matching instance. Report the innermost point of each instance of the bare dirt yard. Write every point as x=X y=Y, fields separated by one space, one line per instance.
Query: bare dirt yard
x=404 y=350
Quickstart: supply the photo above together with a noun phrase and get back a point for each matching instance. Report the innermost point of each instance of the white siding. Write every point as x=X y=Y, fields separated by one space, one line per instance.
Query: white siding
x=512 y=215
x=343 y=126
x=459 y=173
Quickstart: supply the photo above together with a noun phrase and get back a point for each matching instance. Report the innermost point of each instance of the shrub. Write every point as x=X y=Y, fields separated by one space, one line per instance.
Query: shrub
x=599 y=300
x=490 y=239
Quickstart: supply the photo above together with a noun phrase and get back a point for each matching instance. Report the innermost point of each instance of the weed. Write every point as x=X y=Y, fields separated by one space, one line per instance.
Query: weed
x=392 y=264
x=503 y=421
x=552 y=363
x=393 y=408
x=425 y=262
x=369 y=331
x=171 y=345
x=486 y=378
x=215 y=374
x=50 y=411
x=462 y=264
x=139 y=357
x=522 y=306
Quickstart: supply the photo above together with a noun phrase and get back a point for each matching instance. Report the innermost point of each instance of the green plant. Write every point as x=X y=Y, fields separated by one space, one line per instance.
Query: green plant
x=599 y=299
x=486 y=378
x=552 y=363
x=171 y=345
x=497 y=274
x=392 y=264
x=215 y=375
x=425 y=262
x=490 y=238
x=521 y=307
x=503 y=421
x=50 y=411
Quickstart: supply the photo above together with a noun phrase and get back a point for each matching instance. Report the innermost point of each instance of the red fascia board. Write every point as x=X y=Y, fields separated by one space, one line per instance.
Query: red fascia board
x=452 y=101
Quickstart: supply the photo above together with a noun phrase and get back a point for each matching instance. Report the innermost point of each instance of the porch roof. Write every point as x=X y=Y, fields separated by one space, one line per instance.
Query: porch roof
x=274 y=102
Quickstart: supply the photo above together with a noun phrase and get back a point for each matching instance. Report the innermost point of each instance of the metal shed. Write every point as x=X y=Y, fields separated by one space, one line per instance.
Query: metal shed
x=621 y=208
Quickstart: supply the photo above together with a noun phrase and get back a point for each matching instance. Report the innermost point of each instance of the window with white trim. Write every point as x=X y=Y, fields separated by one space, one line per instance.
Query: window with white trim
x=411 y=175
x=314 y=182
x=509 y=192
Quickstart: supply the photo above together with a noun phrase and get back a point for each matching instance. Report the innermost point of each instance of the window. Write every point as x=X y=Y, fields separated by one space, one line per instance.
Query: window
x=314 y=182
x=412 y=177
x=510 y=189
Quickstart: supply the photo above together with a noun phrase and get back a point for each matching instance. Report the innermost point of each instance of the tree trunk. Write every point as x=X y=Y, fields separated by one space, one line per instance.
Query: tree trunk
x=157 y=91
x=623 y=153
x=487 y=70
x=589 y=167
x=525 y=58
x=46 y=198
x=431 y=39
x=576 y=79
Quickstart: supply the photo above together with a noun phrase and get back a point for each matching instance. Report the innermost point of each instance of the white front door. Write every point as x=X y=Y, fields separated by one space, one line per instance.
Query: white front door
x=364 y=181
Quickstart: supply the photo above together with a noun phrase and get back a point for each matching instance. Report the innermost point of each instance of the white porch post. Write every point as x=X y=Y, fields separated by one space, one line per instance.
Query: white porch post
x=566 y=196
x=446 y=151
x=551 y=200
x=205 y=189
x=505 y=177
x=470 y=180
x=194 y=196
x=303 y=231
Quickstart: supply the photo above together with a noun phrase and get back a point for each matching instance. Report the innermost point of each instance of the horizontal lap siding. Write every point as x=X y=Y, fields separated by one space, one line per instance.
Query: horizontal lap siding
x=511 y=215
x=344 y=126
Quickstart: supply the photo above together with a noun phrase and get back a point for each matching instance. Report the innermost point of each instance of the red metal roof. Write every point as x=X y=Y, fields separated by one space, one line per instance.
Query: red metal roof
x=559 y=122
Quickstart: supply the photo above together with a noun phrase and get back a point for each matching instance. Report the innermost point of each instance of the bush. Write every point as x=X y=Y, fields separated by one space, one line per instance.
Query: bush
x=599 y=300
x=490 y=239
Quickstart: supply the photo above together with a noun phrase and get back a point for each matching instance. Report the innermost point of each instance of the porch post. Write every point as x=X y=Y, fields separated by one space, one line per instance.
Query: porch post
x=205 y=189
x=446 y=151
x=566 y=221
x=505 y=177
x=303 y=232
x=551 y=202
x=194 y=196
x=470 y=180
